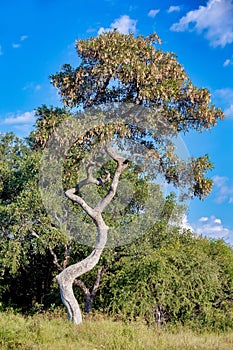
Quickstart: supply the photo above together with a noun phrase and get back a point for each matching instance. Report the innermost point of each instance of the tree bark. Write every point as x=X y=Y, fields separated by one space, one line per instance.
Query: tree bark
x=67 y=277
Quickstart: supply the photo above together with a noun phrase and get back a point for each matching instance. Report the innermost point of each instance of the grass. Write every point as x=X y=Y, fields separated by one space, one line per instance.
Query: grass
x=48 y=332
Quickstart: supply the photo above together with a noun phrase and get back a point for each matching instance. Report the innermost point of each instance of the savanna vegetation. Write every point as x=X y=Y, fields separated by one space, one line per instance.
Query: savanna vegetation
x=52 y=331
x=165 y=277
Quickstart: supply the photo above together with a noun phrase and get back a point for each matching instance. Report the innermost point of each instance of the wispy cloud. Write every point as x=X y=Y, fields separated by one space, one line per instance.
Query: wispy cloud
x=215 y=20
x=23 y=37
x=229 y=111
x=173 y=9
x=153 y=13
x=24 y=118
x=17 y=45
x=212 y=227
x=225 y=97
x=32 y=86
x=223 y=189
x=225 y=94
x=228 y=62
x=124 y=24
x=1 y=52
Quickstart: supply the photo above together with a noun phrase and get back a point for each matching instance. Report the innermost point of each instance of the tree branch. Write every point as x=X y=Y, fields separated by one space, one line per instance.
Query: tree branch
x=122 y=165
x=100 y=92
x=55 y=260
x=99 y=276
x=82 y=285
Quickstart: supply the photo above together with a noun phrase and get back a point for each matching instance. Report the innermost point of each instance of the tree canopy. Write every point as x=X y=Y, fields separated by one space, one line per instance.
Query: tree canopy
x=122 y=68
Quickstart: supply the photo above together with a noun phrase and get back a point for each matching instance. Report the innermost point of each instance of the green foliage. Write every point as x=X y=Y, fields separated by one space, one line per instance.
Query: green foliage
x=181 y=274
x=48 y=118
x=26 y=232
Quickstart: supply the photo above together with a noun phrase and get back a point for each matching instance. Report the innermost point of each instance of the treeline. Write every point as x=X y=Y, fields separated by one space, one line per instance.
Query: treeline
x=167 y=275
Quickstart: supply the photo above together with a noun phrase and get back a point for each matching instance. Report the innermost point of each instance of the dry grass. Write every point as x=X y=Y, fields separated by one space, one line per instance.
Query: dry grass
x=44 y=332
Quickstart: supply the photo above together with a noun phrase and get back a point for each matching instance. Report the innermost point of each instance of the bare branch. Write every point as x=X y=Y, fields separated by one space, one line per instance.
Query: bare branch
x=55 y=260
x=100 y=92
x=71 y=194
x=122 y=165
x=99 y=276
x=66 y=256
x=114 y=156
x=35 y=234
x=82 y=285
x=89 y=180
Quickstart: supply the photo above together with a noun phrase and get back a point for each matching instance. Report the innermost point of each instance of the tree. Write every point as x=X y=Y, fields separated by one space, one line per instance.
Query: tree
x=121 y=69
x=25 y=231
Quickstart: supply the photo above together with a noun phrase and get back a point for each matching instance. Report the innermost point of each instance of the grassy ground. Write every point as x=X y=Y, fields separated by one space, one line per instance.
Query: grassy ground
x=42 y=332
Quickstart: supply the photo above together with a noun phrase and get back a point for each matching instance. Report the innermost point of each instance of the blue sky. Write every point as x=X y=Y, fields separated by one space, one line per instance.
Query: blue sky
x=38 y=36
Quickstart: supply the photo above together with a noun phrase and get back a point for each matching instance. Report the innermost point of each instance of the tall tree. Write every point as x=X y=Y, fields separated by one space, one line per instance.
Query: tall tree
x=121 y=69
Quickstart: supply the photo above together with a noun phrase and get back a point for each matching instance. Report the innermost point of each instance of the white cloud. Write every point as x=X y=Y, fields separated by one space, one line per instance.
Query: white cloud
x=215 y=20
x=123 y=24
x=185 y=224
x=203 y=219
x=24 y=118
x=229 y=111
x=15 y=46
x=173 y=9
x=1 y=52
x=32 y=86
x=212 y=227
x=225 y=96
x=219 y=181
x=227 y=62
x=23 y=37
x=153 y=13
x=223 y=190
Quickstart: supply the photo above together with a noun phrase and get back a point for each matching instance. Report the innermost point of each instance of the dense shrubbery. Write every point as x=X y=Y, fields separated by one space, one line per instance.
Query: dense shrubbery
x=190 y=279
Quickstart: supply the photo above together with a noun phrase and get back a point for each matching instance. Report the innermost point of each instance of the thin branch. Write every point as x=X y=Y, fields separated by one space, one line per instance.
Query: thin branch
x=99 y=93
x=33 y=233
x=66 y=255
x=90 y=179
x=82 y=285
x=86 y=291
x=122 y=165
x=99 y=276
x=55 y=260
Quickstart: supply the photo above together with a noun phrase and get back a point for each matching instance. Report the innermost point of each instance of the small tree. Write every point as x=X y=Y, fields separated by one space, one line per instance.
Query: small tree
x=116 y=69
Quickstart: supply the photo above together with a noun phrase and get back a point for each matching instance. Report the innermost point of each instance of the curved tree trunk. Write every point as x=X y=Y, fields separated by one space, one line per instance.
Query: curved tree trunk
x=66 y=278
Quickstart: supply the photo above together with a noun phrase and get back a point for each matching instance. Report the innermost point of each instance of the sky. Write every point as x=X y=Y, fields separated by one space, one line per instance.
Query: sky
x=38 y=36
